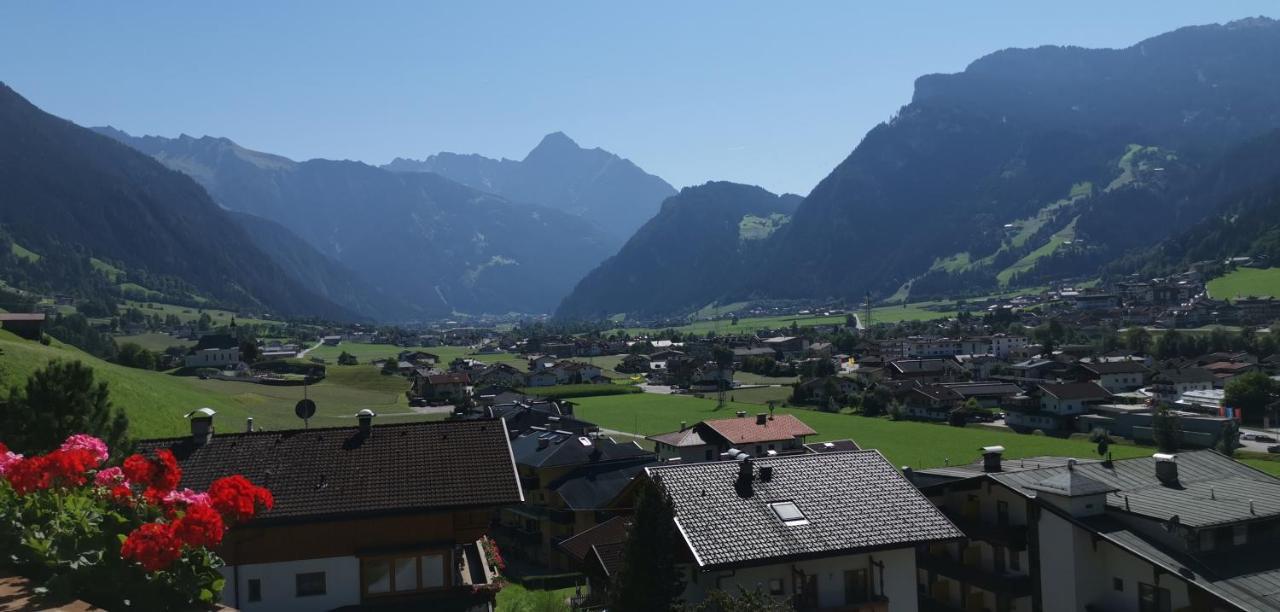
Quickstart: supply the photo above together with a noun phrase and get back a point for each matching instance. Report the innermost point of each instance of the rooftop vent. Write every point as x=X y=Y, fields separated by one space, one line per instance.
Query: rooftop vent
x=365 y=417
x=1166 y=468
x=766 y=473
x=684 y=425
x=991 y=458
x=742 y=414
x=248 y=424
x=761 y=418
x=201 y=425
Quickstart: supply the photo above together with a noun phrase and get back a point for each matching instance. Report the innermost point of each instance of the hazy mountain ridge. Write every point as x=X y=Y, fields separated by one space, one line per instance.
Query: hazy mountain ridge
x=65 y=187
x=419 y=237
x=592 y=183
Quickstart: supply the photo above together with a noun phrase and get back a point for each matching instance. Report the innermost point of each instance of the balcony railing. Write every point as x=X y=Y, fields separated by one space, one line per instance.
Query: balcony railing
x=1013 y=537
x=1013 y=585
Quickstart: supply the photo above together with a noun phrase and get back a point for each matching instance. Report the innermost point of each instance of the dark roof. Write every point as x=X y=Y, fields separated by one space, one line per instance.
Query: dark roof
x=331 y=472
x=832 y=446
x=1212 y=489
x=215 y=341
x=1184 y=375
x=595 y=486
x=609 y=557
x=744 y=430
x=688 y=437
x=612 y=531
x=1074 y=391
x=973 y=389
x=559 y=448
x=851 y=501
x=1071 y=483
x=1115 y=367
x=448 y=378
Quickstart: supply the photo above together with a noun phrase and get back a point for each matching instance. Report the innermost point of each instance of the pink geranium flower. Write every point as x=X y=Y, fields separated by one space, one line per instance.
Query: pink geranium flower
x=89 y=443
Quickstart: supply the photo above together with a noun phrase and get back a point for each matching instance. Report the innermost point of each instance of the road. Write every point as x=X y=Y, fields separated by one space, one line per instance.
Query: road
x=303 y=353
x=1260 y=447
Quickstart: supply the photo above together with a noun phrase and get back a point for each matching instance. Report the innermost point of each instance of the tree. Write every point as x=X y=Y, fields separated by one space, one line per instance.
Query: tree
x=59 y=400
x=745 y=601
x=347 y=359
x=391 y=365
x=649 y=579
x=1137 y=339
x=132 y=355
x=1251 y=393
x=249 y=351
x=1166 y=428
x=1229 y=440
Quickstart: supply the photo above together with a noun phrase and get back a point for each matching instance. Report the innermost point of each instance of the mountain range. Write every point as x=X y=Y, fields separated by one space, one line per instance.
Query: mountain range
x=85 y=211
x=1030 y=165
x=421 y=245
x=592 y=183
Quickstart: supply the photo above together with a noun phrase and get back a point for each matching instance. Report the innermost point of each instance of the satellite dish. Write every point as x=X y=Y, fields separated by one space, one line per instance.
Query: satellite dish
x=305 y=409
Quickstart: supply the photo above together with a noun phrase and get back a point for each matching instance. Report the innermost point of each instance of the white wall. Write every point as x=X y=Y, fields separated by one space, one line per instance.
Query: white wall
x=899 y=578
x=342 y=585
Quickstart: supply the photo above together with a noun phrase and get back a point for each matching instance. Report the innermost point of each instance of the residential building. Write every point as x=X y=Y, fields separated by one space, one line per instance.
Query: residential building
x=924 y=370
x=1053 y=406
x=220 y=351
x=1004 y=346
x=709 y=440
x=29 y=325
x=447 y=387
x=824 y=531
x=1193 y=531
x=1115 y=376
x=374 y=514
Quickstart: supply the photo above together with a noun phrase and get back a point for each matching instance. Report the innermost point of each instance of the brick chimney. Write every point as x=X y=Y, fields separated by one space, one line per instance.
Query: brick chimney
x=201 y=425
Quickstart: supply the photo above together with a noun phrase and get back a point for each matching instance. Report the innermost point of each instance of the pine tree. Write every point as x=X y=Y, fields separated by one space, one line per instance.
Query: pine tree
x=59 y=400
x=649 y=580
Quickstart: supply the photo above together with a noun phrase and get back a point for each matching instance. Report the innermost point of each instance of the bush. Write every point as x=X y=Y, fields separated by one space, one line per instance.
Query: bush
x=118 y=537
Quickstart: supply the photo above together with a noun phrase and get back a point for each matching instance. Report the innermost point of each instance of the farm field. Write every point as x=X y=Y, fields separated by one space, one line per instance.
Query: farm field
x=881 y=314
x=1245 y=282
x=365 y=353
x=189 y=313
x=749 y=378
x=154 y=341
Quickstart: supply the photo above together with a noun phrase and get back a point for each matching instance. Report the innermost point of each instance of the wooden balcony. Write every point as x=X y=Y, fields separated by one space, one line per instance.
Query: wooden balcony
x=1013 y=585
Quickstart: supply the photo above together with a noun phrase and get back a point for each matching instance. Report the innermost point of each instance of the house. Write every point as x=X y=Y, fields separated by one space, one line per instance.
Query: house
x=823 y=389
x=542 y=378
x=931 y=402
x=541 y=362
x=1182 y=380
x=29 y=325
x=1004 y=346
x=634 y=364
x=832 y=531
x=1135 y=422
x=923 y=370
x=755 y=436
x=597 y=553
x=219 y=351
x=449 y=387
x=1192 y=531
x=685 y=445
x=788 y=347
x=367 y=515
x=331 y=340
x=1114 y=376
x=1224 y=371
x=1053 y=406
x=499 y=375
x=571 y=482
x=988 y=394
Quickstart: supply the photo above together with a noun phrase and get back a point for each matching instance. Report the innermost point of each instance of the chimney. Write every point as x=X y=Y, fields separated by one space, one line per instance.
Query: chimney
x=543 y=443
x=365 y=417
x=766 y=473
x=909 y=473
x=684 y=425
x=1166 y=468
x=248 y=424
x=201 y=425
x=746 y=474
x=991 y=457
x=742 y=414
x=761 y=418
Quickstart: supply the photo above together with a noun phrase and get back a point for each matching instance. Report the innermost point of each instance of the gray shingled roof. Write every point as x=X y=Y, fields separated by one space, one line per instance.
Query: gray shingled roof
x=1071 y=484
x=852 y=501
x=1212 y=489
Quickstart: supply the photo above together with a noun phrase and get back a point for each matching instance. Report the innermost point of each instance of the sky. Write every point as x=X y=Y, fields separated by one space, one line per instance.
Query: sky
x=774 y=94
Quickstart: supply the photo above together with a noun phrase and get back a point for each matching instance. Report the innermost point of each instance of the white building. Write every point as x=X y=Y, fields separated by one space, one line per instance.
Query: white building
x=835 y=530
x=219 y=351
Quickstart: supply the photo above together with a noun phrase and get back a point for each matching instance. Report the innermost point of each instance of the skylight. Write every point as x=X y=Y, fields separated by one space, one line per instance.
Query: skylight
x=789 y=513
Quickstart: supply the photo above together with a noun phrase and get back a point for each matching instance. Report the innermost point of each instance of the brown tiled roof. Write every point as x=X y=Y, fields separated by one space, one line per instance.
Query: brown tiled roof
x=22 y=316
x=332 y=472
x=740 y=430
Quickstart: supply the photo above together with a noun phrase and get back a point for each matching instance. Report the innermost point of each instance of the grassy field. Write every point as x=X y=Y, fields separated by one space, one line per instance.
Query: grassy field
x=747 y=378
x=368 y=352
x=1059 y=238
x=575 y=391
x=881 y=314
x=759 y=395
x=156 y=402
x=154 y=341
x=24 y=253
x=188 y=313
x=1246 y=281
x=903 y=442
x=515 y=598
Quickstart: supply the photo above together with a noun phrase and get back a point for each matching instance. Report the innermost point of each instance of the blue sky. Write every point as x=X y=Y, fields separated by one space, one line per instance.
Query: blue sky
x=767 y=93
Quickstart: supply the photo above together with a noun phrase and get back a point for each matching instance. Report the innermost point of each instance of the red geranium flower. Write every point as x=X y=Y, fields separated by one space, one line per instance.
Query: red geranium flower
x=165 y=474
x=199 y=526
x=137 y=469
x=237 y=499
x=31 y=474
x=153 y=545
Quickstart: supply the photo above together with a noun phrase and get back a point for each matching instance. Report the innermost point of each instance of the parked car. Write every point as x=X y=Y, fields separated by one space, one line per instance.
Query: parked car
x=1265 y=438
x=1248 y=436
x=1275 y=448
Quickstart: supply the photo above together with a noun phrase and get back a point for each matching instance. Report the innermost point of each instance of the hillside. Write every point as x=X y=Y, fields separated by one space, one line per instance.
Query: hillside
x=1030 y=164
x=700 y=245
x=69 y=196
x=417 y=237
x=592 y=183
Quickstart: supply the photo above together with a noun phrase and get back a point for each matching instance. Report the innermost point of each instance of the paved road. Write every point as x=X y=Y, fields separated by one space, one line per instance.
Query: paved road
x=1252 y=445
x=303 y=352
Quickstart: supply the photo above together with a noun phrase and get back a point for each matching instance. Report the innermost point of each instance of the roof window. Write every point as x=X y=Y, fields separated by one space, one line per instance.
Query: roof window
x=789 y=513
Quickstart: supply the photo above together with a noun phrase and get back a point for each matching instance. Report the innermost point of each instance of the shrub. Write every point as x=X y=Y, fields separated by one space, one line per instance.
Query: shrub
x=120 y=536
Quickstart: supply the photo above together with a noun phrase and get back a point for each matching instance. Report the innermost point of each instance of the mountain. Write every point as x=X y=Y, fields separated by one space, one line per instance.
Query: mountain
x=418 y=237
x=75 y=196
x=1029 y=165
x=702 y=243
x=591 y=183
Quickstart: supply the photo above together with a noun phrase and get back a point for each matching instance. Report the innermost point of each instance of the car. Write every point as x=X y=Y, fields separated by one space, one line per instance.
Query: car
x=1274 y=448
x=1248 y=436
x=1265 y=438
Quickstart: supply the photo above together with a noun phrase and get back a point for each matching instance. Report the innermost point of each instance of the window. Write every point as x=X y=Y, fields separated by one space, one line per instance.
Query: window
x=775 y=586
x=789 y=513
x=710 y=455
x=1117 y=584
x=856 y=586
x=1002 y=513
x=255 y=589
x=1239 y=535
x=309 y=584
x=1152 y=598
x=384 y=576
